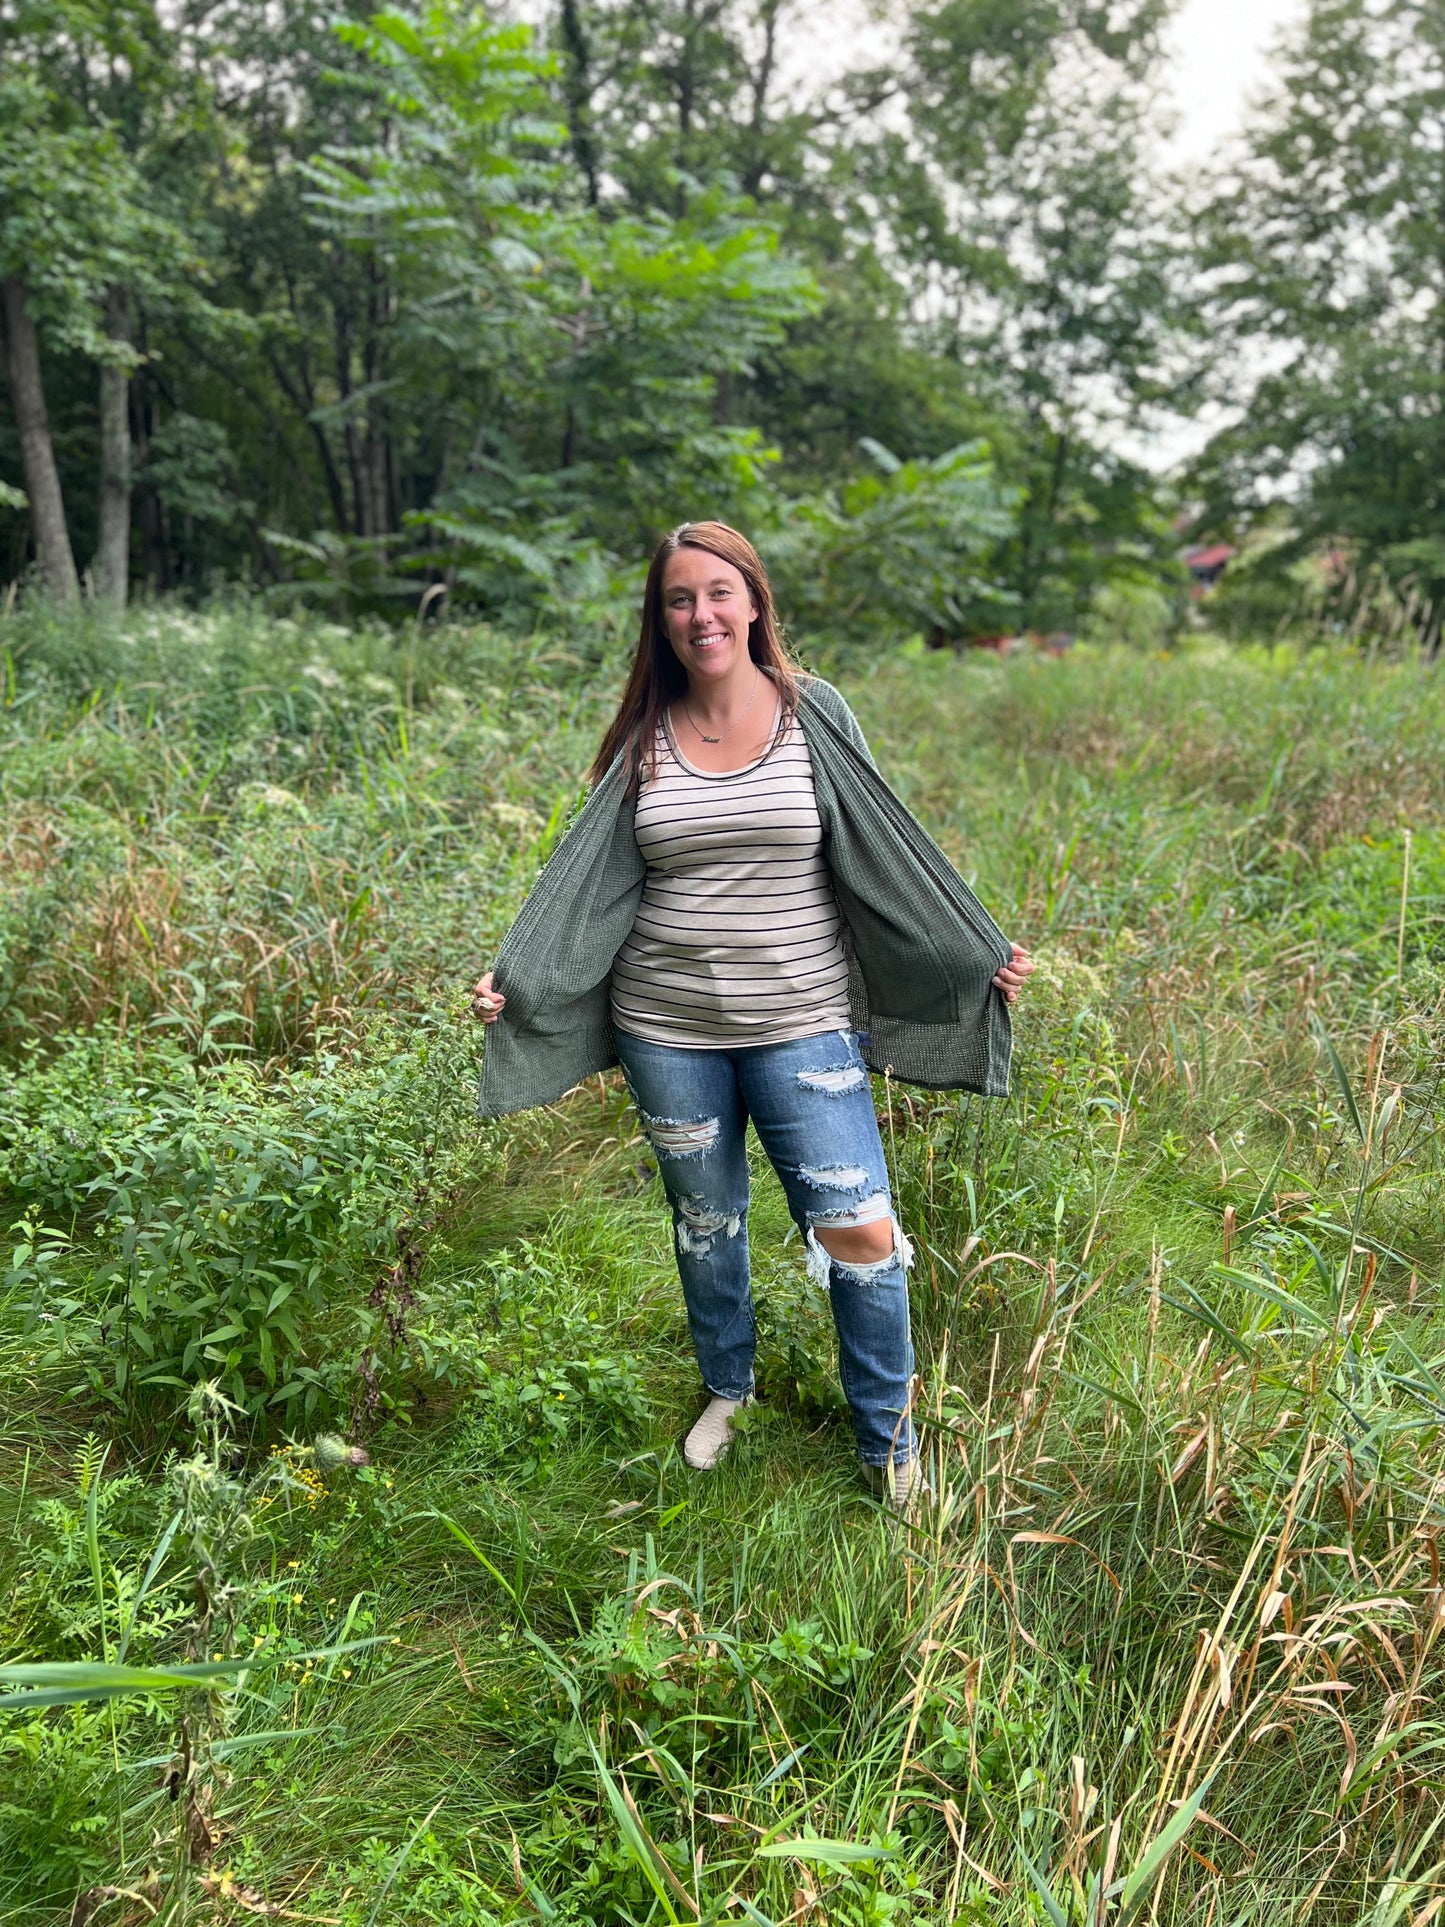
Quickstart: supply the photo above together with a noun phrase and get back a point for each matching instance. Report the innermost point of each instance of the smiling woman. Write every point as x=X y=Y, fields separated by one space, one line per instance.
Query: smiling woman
x=748 y=920
x=710 y=635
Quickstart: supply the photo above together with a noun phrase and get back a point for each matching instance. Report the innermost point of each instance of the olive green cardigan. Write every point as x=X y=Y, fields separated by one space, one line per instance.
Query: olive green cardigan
x=922 y=949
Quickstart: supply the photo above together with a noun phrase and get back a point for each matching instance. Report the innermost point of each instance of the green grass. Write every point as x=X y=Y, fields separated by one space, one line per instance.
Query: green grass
x=1165 y=1648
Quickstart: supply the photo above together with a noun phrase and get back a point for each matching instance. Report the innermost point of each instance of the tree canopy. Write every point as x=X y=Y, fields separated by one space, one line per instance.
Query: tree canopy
x=367 y=307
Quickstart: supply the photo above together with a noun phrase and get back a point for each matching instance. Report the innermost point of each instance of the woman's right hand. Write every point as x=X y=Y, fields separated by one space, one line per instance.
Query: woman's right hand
x=486 y=1002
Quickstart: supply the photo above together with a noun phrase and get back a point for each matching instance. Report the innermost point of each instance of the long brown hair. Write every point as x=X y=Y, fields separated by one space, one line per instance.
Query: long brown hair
x=657 y=678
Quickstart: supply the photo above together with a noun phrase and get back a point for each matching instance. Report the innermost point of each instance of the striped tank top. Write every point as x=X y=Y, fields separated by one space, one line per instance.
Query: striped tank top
x=738 y=938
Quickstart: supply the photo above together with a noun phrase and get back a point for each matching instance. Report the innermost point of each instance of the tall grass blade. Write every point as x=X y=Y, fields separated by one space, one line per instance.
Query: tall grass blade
x=783 y=1768
x=1057 y=1916
x=1197 y=1307
x=157 y=1560
x=92 y=1543
x=1342 y=1079
x=1139 y=1884
x=826 y=1853
x=464 y=1538
x=76 y=1682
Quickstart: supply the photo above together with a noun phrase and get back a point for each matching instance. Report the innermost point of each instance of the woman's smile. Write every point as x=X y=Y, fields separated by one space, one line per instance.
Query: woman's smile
x=708 y=610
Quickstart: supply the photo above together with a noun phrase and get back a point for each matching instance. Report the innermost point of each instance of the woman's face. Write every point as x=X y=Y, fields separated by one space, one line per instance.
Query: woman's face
x=707 y=609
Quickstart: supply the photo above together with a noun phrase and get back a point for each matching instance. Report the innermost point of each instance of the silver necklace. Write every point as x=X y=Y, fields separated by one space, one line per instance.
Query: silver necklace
x=687 y=707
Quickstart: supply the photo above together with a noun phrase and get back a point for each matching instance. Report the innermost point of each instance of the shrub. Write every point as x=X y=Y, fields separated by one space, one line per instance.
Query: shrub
x=222 y=1224
x=908 y=544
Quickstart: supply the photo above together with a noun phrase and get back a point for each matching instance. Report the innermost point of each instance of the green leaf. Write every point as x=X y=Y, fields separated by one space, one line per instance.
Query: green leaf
x=1139 y=1882
x=783 y=1768
x=1342 y=1079
x=157 y=1559
x=75 y=1682
x=1267 y=1289
x=1197 y=1308
x=827 y=1853
x=463 y=1537
x=1056 y=1914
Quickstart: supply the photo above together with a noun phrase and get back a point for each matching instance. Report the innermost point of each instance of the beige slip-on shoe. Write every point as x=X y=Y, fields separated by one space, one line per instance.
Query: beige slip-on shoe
x=900 y=1485
x=709 y=1439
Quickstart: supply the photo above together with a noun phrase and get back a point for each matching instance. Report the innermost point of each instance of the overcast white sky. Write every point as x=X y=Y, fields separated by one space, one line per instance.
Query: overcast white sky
x=1220 y=57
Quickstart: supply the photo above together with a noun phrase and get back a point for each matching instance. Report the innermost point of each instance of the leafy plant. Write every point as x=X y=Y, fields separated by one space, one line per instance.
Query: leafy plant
x=902 y=550
x=218 y=1215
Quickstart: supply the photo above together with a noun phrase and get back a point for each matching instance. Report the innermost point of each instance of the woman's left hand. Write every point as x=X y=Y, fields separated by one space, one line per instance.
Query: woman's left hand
x=1012 y=978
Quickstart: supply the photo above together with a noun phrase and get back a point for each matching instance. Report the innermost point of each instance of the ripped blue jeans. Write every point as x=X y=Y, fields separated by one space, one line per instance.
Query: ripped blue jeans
x=812 y=1106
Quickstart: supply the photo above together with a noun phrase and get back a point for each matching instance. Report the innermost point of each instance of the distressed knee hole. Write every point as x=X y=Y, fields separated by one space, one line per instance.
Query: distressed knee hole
x=867 y=1211
x=835 y=1177
x=696 y=1226
x=675 y=1137
x=834 y=1083
x=822 y=1264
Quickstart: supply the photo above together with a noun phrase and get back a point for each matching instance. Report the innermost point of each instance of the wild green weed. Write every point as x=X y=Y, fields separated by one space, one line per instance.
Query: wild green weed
x=185 y=1571
x=236 y=832
x=216 y=1222
x=1165 y=1647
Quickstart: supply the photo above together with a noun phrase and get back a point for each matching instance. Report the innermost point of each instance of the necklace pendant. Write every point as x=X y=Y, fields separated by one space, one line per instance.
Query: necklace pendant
x=702 y=733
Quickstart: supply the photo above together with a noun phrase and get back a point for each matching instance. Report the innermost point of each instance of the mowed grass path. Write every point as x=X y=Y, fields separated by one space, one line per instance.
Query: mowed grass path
x=1165 y=1647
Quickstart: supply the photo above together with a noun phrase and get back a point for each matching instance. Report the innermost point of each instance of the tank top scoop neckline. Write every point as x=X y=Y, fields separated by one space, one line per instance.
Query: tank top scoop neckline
x=670 y=743
x=738 y=939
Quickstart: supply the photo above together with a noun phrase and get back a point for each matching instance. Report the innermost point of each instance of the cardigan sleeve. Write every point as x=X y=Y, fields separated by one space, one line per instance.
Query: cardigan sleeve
x=835 y=707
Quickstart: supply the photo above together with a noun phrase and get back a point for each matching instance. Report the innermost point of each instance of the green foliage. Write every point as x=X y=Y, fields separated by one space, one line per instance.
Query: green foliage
x=322 y=816
x=1322 y=243
x=899 y=552
x=796 y=1362
x=76 y=216
x=1176 y=1308
x=545 y=1386
x=185 y=1573
x=1137 y=614
x=654 y=310
x=217 y=1215
x=1027 y=225
x=481 y=308
x=451 y=197
x=1356 y=901
x=187 y=1202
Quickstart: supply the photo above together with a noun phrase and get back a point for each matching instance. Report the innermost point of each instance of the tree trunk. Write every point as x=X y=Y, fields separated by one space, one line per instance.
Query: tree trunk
x=112 y=549
x=37 y=451
x=155 y=543
x=375 y=451
x=577 y=89
x=361 y=520
x=762 y=79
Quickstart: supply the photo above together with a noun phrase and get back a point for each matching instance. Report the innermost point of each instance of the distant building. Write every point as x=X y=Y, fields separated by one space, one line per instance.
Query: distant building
x=1206 y=566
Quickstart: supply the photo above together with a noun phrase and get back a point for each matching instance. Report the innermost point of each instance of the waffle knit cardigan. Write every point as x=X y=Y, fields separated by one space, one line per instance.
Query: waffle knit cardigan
x=922 y=949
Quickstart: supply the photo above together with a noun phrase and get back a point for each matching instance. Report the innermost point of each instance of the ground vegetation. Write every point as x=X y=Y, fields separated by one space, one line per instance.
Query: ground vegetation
x=348 y=1556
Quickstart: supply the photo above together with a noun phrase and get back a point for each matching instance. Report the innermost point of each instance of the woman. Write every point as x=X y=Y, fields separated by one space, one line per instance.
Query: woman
x=747 y=918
